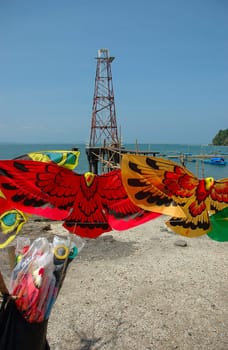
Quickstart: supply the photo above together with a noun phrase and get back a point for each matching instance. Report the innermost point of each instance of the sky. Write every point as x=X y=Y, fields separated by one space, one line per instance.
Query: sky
x=170 y=73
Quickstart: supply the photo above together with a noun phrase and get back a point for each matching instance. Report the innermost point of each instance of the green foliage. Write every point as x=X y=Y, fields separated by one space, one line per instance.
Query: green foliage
x=221 y=139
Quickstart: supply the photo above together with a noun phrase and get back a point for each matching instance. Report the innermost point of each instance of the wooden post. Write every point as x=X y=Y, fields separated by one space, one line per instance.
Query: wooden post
x=197 y=168
x=202 y=166
x=136 y=146
x=11 y=256
x=3 y=288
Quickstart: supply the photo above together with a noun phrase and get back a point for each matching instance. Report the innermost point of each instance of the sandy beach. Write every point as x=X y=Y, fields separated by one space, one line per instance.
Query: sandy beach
x=139 y=290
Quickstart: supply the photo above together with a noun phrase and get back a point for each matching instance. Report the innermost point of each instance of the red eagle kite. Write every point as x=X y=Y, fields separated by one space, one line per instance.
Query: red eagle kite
x=84 y=201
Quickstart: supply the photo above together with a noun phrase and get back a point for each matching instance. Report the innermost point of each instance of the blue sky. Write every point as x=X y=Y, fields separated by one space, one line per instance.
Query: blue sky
x=170 y=73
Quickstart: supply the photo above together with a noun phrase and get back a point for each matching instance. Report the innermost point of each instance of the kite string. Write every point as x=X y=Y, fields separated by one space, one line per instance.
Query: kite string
x=65 y=265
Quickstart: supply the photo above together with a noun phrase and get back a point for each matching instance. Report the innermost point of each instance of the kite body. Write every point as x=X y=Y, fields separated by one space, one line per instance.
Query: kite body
x=156 y=182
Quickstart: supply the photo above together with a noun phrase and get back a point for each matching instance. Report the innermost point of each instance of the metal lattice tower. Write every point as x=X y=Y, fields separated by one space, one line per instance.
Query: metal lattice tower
x=105 y=150
x=103 y=127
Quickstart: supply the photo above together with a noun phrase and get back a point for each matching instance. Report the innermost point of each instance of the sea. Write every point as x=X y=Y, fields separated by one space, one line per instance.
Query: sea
x=171 y=151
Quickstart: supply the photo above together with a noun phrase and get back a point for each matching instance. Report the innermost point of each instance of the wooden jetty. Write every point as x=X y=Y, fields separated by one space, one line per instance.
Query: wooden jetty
x=104 y=159
x=196 y=156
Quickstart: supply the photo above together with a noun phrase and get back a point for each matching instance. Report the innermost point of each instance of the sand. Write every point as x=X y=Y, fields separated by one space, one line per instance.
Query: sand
x=138 y=290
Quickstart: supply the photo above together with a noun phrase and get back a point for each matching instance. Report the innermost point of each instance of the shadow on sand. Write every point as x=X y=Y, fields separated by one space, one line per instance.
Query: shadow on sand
x=106 y=247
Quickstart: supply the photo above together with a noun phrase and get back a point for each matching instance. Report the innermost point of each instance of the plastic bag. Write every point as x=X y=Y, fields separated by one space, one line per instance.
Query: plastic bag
x=39 y=273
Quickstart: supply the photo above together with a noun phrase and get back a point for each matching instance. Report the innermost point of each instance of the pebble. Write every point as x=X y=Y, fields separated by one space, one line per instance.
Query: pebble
x=181 y=243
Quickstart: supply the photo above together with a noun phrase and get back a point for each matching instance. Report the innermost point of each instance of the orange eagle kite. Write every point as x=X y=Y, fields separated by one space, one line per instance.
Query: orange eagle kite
x=154 y=183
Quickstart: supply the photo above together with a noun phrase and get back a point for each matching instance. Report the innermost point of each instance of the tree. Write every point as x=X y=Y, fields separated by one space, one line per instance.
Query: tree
x=221 y=139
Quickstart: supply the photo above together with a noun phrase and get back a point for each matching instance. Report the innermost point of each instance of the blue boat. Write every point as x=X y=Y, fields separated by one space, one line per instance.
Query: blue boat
x=216 y=161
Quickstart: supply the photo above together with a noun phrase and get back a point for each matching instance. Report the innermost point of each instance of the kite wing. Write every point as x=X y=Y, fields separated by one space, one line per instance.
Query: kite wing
x=67 y=159
x=43 y=189
x=142 y=179
x=12 y=220
x=219 y=195
x=124 y=215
